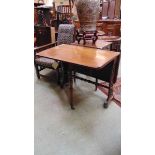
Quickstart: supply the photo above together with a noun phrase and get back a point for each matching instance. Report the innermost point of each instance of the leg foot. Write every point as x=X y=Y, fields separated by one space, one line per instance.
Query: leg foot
x=72 y=107
x=105 y=105
x=58 y=77
x=37 y=71
x=96 y=84
x=38 y=75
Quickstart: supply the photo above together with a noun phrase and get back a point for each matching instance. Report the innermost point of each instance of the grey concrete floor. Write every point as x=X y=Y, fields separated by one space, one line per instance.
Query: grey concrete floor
x=88 y=130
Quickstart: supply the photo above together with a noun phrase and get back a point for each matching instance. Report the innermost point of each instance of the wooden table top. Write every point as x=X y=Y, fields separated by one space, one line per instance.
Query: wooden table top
x=100 y=44
x=105 y=20
x=89 y=57
x=110 y=38
x=111 y=21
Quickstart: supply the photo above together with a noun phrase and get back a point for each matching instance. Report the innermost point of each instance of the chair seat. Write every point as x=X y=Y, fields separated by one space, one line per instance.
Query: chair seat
x=46 y=62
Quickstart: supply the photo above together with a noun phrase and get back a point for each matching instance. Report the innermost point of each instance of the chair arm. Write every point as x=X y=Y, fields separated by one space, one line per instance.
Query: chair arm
x=44 y=47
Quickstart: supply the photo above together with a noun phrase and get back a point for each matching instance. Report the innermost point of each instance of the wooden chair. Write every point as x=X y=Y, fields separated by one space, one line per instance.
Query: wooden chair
x=65 y=36
x=63 y=14
x=41 y=63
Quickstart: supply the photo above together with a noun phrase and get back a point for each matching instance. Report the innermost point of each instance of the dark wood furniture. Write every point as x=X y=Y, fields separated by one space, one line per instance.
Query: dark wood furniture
x=38 y=4
x=86 y=35
x=36 y=12
x=42 y=24
x=44 y=15
x=112 y=27
x=109 y=26
x=115 y=40
x=95 y=61
x=63 y=14
x=43 y=35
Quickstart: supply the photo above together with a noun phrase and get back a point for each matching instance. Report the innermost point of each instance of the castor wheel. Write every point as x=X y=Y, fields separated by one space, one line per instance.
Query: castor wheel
x=105 y=105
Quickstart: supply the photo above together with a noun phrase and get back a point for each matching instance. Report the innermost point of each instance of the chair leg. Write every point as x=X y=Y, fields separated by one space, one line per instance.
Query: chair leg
x=96 y=84
x=74 y=77
x=61 y=77
x=37 y=71
x=58 y=75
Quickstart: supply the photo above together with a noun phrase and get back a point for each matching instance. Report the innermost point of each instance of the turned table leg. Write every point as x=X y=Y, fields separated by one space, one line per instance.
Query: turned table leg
x=110 y=96
x=110 y=91
x=71 y=87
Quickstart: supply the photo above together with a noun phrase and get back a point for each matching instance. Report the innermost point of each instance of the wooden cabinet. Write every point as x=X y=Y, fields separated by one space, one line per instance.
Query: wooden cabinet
x=109 y=26
x=43 y=35
x=112 y=27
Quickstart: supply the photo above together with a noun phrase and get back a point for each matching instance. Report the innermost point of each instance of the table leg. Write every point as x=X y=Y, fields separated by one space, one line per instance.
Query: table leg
x=110 y=95
x=110 y=92
x=111 y=47
x=71 y=87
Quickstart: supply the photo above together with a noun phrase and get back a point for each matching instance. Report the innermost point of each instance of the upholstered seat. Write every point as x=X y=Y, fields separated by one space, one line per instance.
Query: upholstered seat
x=44 y=62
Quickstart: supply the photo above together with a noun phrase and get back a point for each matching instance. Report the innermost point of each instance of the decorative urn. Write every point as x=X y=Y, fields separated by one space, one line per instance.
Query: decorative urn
x=88 y=14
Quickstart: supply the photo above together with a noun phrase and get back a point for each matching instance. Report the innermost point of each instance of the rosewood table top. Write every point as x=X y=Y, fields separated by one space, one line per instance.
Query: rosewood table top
x=85 y=56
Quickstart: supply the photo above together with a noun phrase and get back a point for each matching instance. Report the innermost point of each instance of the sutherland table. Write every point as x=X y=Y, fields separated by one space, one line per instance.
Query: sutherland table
x=78 y=56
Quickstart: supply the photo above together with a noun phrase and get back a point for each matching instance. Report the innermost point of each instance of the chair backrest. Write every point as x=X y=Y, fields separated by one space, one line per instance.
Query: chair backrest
x=65 y=34
x=63 y=11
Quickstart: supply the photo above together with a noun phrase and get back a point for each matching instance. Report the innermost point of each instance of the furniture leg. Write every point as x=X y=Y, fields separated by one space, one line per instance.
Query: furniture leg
x=58 y=20
x=110 y=95
x=84 y=38
x=74 y=77
x=71 y=87
x=95 y=37
x=96 y=84
x=37 y=71
x=58 y=76
x=111 y=47
x=110 y=92
x=77 y=37
x=61 y=72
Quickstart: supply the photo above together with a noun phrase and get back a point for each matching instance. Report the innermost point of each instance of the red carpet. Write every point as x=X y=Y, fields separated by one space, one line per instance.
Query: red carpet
x=116 y=91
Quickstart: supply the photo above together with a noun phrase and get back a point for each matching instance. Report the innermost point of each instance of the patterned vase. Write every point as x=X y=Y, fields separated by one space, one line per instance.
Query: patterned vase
x=88 y=13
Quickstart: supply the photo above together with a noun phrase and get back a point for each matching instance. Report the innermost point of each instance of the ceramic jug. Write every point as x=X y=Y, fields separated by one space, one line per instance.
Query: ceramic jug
x=88 y=14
